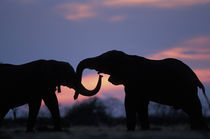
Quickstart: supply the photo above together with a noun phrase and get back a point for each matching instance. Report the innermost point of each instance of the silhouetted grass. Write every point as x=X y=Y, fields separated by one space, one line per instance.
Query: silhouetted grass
x=93 y=112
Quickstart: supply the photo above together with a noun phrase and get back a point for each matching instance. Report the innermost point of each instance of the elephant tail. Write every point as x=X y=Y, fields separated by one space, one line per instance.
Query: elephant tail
x=201 y=86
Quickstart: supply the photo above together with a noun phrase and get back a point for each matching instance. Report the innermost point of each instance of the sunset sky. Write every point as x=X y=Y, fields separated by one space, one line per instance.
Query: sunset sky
x=71 y=30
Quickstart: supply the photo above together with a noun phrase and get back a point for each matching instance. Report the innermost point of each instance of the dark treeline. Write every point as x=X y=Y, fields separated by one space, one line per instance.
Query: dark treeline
x=92 y=112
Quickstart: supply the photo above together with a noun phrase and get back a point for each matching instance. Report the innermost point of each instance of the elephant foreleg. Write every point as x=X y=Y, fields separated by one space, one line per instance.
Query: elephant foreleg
x=143 y=115
x=130 y=114
x=51 y=102
x=34 y=107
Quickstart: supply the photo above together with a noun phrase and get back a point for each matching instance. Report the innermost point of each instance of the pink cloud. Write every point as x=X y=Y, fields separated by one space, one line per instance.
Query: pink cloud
x=203 y=74
x=76 y=11
x=27 y=1
x=117 y=18
x=90 y=9
x=87 y=10
x=155 y=3
x=202 y=40
x=195 y=49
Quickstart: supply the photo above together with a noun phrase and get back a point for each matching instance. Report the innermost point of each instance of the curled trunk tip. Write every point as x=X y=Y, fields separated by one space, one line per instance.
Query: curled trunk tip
x=85 y=92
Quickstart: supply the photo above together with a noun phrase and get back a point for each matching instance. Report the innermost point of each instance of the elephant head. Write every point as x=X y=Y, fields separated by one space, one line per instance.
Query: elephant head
x=62 y=73
x=111 y=62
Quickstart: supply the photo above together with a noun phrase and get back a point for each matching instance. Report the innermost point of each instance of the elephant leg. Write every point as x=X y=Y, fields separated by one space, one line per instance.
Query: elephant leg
x=194 y=110
x=143 y=115
x=34 y=107
x=51 y=102
x=130 y=114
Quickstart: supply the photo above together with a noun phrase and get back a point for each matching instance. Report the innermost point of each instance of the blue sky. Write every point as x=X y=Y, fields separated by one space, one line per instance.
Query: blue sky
x=71 y=30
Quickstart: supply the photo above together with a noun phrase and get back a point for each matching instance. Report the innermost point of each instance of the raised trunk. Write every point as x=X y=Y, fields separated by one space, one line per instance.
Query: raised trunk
x=87 y=63
x=90 y=63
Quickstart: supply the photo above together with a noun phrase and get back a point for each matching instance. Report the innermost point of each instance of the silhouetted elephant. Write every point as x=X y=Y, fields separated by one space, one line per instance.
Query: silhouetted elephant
x=30 y=83
x=167 y=81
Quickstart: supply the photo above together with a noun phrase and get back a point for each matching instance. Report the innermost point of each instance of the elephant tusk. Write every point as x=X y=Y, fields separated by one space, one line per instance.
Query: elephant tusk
x=59 y=88
x=76 y=95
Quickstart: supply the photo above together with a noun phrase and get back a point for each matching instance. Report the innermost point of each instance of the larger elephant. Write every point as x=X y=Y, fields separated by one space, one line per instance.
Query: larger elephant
x=168 y=81
x=35 y=81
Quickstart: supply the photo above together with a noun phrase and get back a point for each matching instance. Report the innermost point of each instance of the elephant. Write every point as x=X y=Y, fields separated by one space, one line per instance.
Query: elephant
x=35 y=81
x=168 y=81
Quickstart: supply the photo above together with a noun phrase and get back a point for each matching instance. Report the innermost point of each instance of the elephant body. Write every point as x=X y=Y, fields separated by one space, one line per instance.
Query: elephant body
x=168 y=81
x=30 y=84
x=23 y=83
x=33 y=82
x=163 y=81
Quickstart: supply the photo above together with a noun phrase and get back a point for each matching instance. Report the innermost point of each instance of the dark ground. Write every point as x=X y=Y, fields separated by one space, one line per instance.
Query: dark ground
x=103 y=132
x=90 y=120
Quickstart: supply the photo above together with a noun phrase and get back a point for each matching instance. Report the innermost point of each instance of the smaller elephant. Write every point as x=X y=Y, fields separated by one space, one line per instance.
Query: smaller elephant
x=168 y=81
x=33 y=82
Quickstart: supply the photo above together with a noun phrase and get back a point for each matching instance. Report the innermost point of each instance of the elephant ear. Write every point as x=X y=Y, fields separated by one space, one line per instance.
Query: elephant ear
x=49 y=73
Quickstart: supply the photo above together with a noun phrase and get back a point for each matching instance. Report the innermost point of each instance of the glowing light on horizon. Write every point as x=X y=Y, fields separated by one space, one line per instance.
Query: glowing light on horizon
x=89 y=81
x=109 y=90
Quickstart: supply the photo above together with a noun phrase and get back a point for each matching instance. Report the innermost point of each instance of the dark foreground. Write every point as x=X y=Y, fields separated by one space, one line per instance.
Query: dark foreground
x=102 y=132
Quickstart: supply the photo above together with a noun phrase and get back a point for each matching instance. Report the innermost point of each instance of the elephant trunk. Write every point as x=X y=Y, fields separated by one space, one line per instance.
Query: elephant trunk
x=87 y=63
x=90 y=63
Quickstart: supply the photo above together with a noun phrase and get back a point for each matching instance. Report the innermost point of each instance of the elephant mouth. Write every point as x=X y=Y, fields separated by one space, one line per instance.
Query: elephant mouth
x=71 y=86
x=114 y=80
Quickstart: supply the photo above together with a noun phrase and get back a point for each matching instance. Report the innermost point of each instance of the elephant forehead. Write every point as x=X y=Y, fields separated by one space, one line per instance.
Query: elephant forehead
x=113 y=53
x=66 y=67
